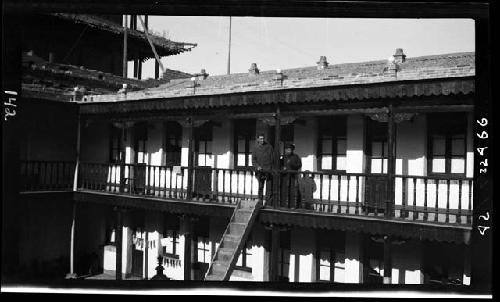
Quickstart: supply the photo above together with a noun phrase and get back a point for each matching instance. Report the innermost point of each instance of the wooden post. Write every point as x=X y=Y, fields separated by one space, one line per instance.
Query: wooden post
x=190 y=158
x=229 y=49
x=188 y=238
x=72 y=274
x=124 y=74
x=277 y=176
x=389 y=208
x=77 y=161
x=118 y=243
x=387 y=260
x=275 y=245
x=146 y=239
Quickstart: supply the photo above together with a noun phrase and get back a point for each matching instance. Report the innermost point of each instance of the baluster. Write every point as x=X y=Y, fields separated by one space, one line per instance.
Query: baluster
x=404 y=202
x=330 y=206
x=183 y=196
x=469 y=207
x=425 y=199
x=245 y=183
x=436 y=209
x=415 y=213
x=321 y=192
x=252 y=176
x=171 y=175
x=223 y=185
x=447 y=201
x=356 y=209
x=348 y=191
x=154 y=180
x=339 y=188
x=216 y=185
x=230 y=185
x=459 y=214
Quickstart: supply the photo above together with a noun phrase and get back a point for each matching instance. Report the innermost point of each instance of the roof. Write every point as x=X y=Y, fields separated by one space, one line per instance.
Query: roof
x=338 y=76
x=164 y=47
x=54 y=81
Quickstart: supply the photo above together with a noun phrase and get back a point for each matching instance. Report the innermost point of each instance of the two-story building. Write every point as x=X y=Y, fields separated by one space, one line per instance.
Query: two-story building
x=163 y=171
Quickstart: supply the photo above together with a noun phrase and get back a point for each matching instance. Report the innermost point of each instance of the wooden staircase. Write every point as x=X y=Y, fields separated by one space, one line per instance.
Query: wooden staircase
x=233 y=240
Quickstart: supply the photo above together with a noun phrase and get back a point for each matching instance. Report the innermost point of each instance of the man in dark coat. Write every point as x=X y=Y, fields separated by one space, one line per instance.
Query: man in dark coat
x=291 y=164
x=307 y=187
x=263 y=160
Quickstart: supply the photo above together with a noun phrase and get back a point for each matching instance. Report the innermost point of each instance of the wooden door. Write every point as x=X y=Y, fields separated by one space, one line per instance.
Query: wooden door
x=377 y=163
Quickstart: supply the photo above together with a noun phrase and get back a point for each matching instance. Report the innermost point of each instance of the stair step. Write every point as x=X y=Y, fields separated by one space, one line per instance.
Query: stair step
x=231 y=241
x=245 y=204
x=242 y=215
x=225 y=254
x=219 y=268
x=236 y=228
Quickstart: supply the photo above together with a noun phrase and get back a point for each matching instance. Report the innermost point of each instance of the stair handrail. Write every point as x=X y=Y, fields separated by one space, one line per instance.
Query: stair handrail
x=222 y=238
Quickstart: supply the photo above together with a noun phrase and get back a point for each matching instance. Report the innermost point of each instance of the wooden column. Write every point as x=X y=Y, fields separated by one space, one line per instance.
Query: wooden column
x=124 y=74
x=77 y=160
x=146 y=239
x=391 y=137
x=118 y=242
x=387 y=260
x=276 y=177
x=157 y=70
x=274 y=257
x=72 y=274
x=190 y=158
x=188 y=238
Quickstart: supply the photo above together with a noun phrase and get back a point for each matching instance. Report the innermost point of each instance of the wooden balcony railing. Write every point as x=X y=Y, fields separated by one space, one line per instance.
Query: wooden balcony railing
x=47 y=175
x=416 y=198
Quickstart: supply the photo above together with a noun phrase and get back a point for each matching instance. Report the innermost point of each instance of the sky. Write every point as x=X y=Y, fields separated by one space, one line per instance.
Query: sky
x=282 y=43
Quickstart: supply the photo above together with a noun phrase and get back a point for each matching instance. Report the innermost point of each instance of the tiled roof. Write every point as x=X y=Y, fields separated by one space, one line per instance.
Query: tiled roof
x=41 y=79
x=164 y=47
x=418 y=68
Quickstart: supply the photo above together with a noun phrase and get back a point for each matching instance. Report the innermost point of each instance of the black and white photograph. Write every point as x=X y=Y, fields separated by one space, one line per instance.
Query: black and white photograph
x=252 y=148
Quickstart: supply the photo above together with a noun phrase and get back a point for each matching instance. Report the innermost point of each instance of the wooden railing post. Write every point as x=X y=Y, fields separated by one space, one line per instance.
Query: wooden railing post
x=390 y=165
x=277 y=175
x=189 y=192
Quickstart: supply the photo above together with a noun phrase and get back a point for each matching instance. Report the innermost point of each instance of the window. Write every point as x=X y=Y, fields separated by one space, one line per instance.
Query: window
x=244 y=141
x=446 y=143
x=330 y=257
x=245 y=258
x=203 y=146
x=443 y=263
x=374 y=268
x=173 y=145
x=171 y=236
x=377 y=146
x=332 y=143
x=116 y=154
x=140 y=138
x=201 y=233
x=284 y=256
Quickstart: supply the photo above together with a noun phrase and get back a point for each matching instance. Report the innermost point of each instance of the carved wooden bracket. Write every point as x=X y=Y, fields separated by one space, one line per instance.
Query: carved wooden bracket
x=187 y=123
x=284 y=120
x=123 y=125
x=398 y=117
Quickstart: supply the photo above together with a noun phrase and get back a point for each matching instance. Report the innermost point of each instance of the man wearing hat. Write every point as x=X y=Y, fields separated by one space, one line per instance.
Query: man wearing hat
x=291 y=164
x=263 y=159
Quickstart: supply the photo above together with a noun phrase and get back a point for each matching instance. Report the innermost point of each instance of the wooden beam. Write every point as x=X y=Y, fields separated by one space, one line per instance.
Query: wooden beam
x=190 y=158
x=125 y=58
x=72 y=274
x=152 y=45
x=387 y=260
x=275 y=245
x=119 y=242
x=391 y=138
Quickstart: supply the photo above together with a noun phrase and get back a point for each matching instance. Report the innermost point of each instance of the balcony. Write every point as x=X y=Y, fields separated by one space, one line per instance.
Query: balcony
x=419 y=199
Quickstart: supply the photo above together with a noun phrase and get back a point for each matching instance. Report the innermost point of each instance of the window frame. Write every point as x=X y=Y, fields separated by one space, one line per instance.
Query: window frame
x=140 y=139
x=285 y=245
x=244 y=255
x=436 y=127
x=116 y=154
x=174 y=151
x=247 y=129
x=203 y=134
x=171 y=223
x=336 y=128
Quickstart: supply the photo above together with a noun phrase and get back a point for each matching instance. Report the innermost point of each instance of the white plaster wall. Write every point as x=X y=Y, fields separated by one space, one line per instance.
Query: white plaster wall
x=305 y=138
x=353 y=258
x=154 y=227
x=411 y=150
x=355 y=158
x=222 y=144
x=407 y=263
x=302 y=259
